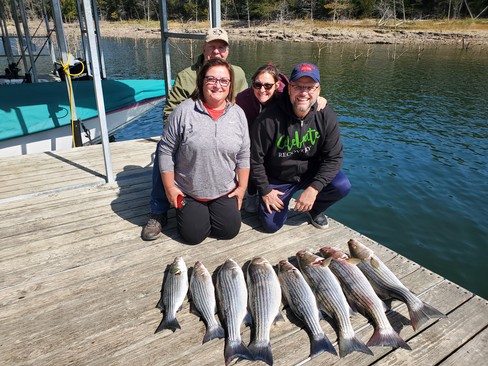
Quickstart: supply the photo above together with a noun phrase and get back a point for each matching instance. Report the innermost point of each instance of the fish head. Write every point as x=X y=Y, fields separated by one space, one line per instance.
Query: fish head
x=199 y=269
x=259 y=261
x=307 y=258
x=334 y=253
x=178 y=266
x=285 y=266
x=359 y=250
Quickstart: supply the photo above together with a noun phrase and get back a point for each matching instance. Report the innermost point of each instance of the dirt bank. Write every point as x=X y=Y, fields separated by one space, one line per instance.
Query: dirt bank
x=303 y=32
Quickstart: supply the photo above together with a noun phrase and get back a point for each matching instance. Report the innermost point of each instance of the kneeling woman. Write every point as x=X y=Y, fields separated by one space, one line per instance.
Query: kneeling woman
x=204 y=157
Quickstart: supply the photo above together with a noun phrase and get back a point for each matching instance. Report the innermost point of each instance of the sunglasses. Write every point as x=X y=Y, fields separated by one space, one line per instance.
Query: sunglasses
x=258 y=85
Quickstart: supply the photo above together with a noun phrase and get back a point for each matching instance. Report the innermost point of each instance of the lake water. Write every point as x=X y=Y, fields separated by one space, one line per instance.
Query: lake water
x=414 y=127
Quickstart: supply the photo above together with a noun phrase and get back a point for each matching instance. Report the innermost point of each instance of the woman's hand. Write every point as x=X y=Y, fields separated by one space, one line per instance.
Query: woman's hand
x=239 y=194
x=172 y=195
x=321 y=103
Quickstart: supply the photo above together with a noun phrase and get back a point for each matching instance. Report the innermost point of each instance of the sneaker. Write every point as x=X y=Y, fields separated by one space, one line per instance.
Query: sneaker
x=251 y=203
x=152 y=230
x=319 y=220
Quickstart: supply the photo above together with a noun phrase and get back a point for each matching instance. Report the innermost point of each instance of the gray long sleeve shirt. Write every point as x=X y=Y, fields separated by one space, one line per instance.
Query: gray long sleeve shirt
x=205 y=154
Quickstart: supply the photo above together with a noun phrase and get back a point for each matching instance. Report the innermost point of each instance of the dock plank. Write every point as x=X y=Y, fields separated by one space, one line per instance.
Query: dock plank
x=79 y=286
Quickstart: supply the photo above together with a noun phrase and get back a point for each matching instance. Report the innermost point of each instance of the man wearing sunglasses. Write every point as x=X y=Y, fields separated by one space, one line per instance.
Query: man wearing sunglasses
x=216 y=46
x=297 y=148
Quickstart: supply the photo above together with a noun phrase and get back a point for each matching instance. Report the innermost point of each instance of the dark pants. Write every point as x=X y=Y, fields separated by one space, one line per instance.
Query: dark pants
x=198 y=220
x=333 y=192
x=159 y=202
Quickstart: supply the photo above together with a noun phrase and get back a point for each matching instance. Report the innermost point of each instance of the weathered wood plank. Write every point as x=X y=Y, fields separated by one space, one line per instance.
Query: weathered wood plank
x=439 y=340
x=472 y=353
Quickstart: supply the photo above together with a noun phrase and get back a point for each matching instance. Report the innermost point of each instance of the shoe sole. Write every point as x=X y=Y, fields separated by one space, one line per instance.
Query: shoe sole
x=315 y=224
x=145 y=238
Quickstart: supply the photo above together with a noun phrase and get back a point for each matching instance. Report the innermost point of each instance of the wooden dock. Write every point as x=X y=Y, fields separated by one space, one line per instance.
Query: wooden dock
x=78 y=286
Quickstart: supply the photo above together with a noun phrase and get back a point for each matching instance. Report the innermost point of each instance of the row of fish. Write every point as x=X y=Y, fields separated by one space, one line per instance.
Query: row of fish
x=333 y=284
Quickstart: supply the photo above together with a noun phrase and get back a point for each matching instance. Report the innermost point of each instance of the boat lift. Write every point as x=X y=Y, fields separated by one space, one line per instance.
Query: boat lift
x=93 y=54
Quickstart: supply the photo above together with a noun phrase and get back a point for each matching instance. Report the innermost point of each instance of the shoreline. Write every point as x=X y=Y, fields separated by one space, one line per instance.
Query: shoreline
x=300 y=31
x=463 y=36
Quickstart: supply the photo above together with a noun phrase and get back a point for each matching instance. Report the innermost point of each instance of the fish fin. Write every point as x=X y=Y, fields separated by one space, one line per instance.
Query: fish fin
x=320 y=343
x=168 y=324
x=375 y=263
x=323 y=311
x=325 y=262
x=349 y=345
x=236 y=349
x=388 y=338
x=354 y=261
x=247 y=319
x=213 y=332
x=160 y=304
x=278 y=318
x=262 y=351
x=420 y=316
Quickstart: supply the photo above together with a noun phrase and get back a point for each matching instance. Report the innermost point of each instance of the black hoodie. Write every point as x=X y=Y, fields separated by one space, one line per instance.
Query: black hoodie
x=287 y=149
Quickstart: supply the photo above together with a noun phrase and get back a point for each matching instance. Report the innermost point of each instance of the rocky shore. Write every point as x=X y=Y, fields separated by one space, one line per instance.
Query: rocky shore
x=297 y=32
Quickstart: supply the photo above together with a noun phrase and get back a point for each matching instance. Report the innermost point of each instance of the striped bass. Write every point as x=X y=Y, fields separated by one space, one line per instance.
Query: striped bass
x=203 y=301
x=388 y=286
x=302 y=302
x=360 y=292
x=232 y=299
x=174 y=290
x=264 y=303
x=331 y=300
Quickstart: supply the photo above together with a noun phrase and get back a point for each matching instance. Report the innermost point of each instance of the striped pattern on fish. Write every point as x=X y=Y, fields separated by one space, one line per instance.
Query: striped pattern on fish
x=232 y=301
x=175 y=288
x=360 y=292
x=302 y=302
x=203 y=301
x=331 y=300
x=387 y=285
x=264 y=303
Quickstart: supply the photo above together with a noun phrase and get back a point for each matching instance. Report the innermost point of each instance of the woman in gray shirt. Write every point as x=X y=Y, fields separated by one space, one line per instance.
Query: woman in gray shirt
x=204 y=157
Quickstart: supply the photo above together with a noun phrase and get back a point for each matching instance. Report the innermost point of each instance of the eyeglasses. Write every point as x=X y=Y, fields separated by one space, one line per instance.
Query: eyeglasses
x=303 y=88
x=258 y=85
x=212 y=80
x=221 y=49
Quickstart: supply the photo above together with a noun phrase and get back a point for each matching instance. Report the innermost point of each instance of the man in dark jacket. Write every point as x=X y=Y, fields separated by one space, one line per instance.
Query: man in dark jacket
x=297 y=148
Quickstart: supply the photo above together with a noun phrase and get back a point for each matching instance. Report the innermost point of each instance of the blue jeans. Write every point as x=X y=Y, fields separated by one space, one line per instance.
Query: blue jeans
x=333 y=192
x=159 y=202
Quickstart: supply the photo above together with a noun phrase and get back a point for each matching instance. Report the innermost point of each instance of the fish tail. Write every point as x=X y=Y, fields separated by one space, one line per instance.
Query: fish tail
x=213 y=332
x=166 y=323
x=320 y=343
x=262 y=351
x=349 y=345
x=388 y=338
x=236 y=349
x=420 y=315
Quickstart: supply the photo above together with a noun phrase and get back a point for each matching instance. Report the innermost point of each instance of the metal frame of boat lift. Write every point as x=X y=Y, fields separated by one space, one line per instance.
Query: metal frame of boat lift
x=90 y=31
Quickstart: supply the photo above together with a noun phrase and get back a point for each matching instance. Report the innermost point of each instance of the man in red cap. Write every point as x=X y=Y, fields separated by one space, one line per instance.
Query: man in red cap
x=297 y=148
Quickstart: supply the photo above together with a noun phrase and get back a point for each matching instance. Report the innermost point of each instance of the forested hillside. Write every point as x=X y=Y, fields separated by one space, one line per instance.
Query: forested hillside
x=273 y=10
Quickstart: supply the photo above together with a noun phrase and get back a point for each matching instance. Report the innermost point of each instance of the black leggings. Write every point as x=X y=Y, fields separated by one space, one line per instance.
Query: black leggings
x=219 y=218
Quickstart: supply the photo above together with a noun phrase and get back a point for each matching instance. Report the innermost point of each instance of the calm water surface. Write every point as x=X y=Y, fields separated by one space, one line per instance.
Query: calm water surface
x=414 y=127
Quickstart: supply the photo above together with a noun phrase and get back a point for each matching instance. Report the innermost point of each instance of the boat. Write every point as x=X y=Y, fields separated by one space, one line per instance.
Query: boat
x=61 y=111
x=36 y=117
